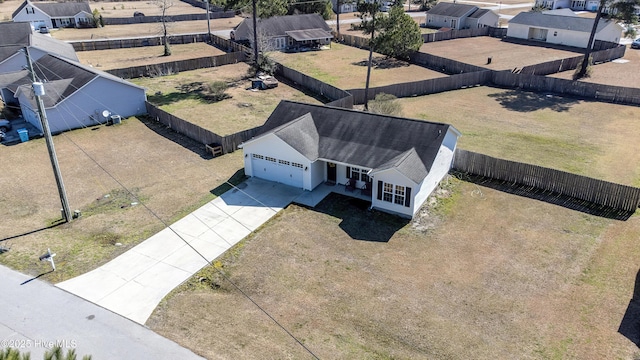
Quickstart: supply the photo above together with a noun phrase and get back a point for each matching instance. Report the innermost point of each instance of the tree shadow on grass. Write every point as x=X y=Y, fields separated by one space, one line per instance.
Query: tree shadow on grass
x=383 y=62
x=196 y=90
x=358 y=221
x=548 y=197
x=630 y=324
x=523 y=101
x=169 y=134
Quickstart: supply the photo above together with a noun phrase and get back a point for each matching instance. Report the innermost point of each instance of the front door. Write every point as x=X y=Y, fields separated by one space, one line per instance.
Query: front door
x=331 y=172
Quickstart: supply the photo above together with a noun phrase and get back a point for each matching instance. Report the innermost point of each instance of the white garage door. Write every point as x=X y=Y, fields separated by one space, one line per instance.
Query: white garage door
x=278 y=170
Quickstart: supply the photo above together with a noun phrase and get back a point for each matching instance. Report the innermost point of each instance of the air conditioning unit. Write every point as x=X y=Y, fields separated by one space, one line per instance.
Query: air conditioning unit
x=116 y=119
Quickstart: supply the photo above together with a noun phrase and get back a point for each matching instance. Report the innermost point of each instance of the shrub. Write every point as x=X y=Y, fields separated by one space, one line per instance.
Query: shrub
x=385 y=104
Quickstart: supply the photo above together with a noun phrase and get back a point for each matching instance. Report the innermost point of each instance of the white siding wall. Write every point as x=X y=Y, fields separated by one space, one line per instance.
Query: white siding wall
x=37 y=16
x=489 y=19
x=271 y=145
x=613 y=33
x=318 y=170
x=441 y=21
x=392 y=176
x=439 y=170
x=518 y=31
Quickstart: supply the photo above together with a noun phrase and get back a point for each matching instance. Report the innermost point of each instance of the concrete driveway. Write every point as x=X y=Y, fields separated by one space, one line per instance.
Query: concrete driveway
x=133 y=284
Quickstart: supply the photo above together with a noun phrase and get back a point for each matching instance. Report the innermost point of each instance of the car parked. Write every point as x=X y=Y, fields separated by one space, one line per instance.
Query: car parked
x=44 y=30
x=5 y=125
x=635 y=44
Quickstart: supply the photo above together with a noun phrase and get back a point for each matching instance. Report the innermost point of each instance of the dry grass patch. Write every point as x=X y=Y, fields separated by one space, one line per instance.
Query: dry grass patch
x=244 y=109
x=621 y=72
x=147 y=29
x=497 y=276
x=149 y=8
x=171 y=174
x=7 y=7
x=504 y=55
x=346 y=67
x=123 y=58
x=595 y=139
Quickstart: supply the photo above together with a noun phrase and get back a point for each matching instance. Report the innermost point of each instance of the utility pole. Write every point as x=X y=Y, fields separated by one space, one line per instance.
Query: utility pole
x=208 y=24
x=255 y=33
x=38 y=90
x=374 y=10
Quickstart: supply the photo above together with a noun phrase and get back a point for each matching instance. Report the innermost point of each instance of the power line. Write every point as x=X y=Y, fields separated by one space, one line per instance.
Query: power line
x=154 y=214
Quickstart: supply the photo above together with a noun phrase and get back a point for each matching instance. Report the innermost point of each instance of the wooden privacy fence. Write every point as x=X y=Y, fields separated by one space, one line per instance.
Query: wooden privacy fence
x=599 y=192
x=425 y=87
x=227 y=45
x=89 y=45
x=608 y=93
x=441 y=64
x=173 y=67
x=158 y=19
x=339 y=97
x=455 y=34
x=607 y=53
x=229 y=143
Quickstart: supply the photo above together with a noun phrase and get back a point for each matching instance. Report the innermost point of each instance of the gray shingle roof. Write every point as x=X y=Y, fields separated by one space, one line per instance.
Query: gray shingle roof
x=279 y=25
x=17 y=35
x=358 y=138
x=573 y=23
x=451 y=9
x=14 y=37
x=478 y=13
x=58 y=10
x=51 y=69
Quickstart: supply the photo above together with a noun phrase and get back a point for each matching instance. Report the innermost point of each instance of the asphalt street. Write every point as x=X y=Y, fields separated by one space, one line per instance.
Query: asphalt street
x=35 y=316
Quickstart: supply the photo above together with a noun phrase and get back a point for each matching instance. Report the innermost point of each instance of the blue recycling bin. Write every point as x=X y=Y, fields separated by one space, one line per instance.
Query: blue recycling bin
x=24 y=135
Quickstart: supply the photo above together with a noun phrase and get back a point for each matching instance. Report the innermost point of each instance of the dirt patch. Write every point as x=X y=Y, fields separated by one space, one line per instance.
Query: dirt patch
x=504 y=55
x=621 y=72
x=243 y=109
x=170 y=174
x=119 y=58
x=342 y=66
x=585 y=137
x=149 y=8
x=499 y=276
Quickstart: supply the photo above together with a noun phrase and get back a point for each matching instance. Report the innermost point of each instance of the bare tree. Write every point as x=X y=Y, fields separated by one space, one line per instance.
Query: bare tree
x=165 y=5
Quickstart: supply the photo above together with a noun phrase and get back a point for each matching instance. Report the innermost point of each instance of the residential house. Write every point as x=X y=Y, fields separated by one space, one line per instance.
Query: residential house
x=54 y=15
x=346 y=6
x=16 y=36
x=460 y=16
x=396 y=162
x=75 y=95
x=291 y=32
x=575 y=5
x=562 y=29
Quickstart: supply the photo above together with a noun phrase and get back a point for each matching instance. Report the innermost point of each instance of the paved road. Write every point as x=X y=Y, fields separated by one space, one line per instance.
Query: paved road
x=135 y=282
x=36 y=314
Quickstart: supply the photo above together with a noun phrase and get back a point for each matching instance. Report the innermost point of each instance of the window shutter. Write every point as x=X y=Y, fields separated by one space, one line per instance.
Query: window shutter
x=348 y=172
x=379 y=189
x=407 y=197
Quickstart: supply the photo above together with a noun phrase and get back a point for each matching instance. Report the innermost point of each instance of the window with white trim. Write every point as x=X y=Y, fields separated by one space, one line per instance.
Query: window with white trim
x=387 y=192
x=399 y=198
x=359 y=174
x=395 y=194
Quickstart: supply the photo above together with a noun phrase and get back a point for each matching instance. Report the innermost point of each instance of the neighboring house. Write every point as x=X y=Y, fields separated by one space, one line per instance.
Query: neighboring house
x=75 y=95
x=401 y=161
x=575 y=5
x=460 y=16
x=346 y=6
x=561 y=30
x=54 y=15
x=291 y=32
x=16 y=36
